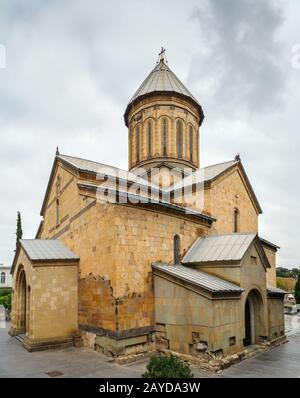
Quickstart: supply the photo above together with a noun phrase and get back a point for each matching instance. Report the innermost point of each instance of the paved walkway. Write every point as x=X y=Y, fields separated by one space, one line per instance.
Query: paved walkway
x=15 y=361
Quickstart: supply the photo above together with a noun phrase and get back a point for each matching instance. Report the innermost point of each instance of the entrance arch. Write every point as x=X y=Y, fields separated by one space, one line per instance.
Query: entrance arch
x=21 y=293
x=254 y=315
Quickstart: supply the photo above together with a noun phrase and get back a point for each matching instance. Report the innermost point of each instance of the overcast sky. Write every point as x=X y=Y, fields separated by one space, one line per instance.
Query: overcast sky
x=72 y=66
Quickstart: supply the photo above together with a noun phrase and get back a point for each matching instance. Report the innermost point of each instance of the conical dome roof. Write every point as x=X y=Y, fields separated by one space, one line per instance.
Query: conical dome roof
x=162 y=81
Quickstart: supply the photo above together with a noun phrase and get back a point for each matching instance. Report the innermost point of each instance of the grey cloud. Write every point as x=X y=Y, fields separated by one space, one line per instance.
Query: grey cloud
x=73 y=65
x=240 y=54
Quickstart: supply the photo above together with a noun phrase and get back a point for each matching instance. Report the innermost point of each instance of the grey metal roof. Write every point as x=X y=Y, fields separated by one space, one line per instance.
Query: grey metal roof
x=199 y=278
x=205 y=174
x=269 y=244
x=162 y=80
x=101 y=168
x=47 y=249
x=144 y=200
x=276 y=290
x=215 y=248
x=208 y=173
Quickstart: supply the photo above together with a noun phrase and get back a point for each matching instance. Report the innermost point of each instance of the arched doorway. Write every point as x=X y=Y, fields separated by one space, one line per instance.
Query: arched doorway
x=253 y=318
x=21 y=307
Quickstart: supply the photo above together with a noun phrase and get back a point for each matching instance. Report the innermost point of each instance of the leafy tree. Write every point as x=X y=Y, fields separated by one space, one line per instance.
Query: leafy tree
x=167 y=366
x=19 y=232
x=297 y=289
x=287 y=284
x=6 y=301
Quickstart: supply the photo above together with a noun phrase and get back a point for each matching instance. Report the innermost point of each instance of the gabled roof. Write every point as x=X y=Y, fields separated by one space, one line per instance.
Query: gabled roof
x=162 y=80
x=269 y=244
x=272 y=290
x=229 y=248
x=144 y=201
x=44 y=250
x=86 y=165
x=47 y=250
x=216 y=248
x=210 y=173
x=205 y=174
x=198 y=278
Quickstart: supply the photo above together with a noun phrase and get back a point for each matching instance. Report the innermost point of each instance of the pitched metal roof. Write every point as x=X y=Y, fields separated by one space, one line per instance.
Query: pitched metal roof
x=47 y=249
x=275 y=290
x=101 y=168
x=205 y=174
x=215 y=248
x=162 y=80
x=269 y=244
x=86 y=165
x=199 y=278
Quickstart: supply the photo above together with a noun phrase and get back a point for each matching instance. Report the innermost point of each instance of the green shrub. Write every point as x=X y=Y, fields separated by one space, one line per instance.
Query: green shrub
x=4 y=291
x=167 y=366
x=6 y=301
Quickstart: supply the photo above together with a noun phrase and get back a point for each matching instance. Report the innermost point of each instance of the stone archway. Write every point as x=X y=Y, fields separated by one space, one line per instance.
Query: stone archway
x=21 y=304
x=254 y=318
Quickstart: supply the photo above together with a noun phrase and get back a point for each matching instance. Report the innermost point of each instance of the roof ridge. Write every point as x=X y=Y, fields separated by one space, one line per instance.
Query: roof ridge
x=218 y=164
x=89 y=160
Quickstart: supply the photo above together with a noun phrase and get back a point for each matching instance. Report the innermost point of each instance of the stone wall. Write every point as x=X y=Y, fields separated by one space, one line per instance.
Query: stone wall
x=154 y=109
x=192 y=324
x=226 y=194
x=276 y=317
x=51 y=301
x=271 y=272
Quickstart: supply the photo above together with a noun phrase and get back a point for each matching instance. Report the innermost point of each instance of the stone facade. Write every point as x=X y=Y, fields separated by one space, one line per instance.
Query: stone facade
x=147 y=117
x=110 y=301
x=193 y=323
x=45 y=302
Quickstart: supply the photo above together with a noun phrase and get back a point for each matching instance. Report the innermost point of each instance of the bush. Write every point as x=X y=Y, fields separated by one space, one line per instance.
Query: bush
x=6 y=301
x=167 y=366
x=4 y=291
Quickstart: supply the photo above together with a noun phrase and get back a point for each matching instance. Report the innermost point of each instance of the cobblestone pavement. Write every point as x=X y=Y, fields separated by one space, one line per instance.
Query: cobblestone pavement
x=15 y=361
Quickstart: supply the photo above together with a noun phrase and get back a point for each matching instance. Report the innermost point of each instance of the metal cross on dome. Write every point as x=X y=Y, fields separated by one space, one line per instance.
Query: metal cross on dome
x=162 y=54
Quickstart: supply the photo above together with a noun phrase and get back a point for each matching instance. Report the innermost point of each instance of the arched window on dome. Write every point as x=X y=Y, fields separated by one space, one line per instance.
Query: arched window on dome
x=149 y=138
x=164 y=136
x=191 y=141
x=137 y=143
x=179 y=138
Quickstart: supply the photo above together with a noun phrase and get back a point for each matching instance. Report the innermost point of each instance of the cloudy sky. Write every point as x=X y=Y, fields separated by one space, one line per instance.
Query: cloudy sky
x=72 y=66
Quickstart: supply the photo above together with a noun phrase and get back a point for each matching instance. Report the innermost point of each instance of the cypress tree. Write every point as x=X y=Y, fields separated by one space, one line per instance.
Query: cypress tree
x=19 y=232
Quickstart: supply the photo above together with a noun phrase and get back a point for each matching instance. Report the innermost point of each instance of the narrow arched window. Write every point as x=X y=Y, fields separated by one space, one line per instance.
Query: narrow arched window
x=149 y=138
x=176 y=249
x=137 y=137
x=57 y=212
x=191 y=141
x=3 y=276
x=236 y=220
x=179 y=138
x=130 y=147
x=164 y=136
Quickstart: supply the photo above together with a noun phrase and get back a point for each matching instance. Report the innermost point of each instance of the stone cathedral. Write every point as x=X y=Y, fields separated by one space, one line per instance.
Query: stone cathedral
x=165 y=256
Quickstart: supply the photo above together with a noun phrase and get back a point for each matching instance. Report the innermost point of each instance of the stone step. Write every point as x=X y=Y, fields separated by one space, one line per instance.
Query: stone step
x=20 y=337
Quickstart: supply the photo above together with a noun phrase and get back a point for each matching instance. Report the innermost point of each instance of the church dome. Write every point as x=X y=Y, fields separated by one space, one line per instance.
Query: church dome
x=162 y=81
x=163 y=120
